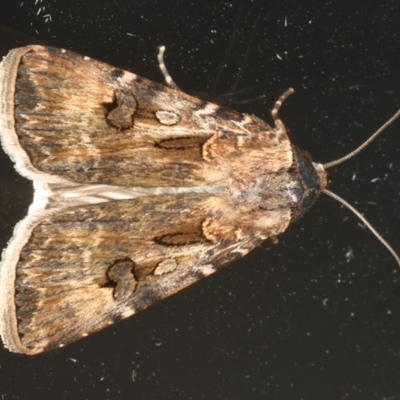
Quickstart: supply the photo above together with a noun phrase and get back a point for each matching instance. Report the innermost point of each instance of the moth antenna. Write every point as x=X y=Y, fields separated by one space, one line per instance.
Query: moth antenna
x=364 y=220
x=363 y=145
x=350 y=207
x=168 y=79
x=274 y=112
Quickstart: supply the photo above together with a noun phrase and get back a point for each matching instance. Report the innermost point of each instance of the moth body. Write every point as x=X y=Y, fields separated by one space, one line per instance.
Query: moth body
x=140 y=191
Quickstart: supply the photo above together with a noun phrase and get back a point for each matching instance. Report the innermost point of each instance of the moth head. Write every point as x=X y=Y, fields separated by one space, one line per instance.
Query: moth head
x=312 y=180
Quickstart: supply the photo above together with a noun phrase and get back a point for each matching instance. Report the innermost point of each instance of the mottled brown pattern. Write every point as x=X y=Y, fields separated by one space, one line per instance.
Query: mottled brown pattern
x=113 y=136
x=89 y=260
x=194 y=187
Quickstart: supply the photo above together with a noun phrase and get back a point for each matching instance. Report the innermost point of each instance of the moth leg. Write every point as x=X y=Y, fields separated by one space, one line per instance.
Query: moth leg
x=278 y=122
x=168 y=79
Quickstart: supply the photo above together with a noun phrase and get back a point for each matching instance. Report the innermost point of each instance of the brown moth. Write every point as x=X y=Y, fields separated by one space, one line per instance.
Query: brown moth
x=140 y=191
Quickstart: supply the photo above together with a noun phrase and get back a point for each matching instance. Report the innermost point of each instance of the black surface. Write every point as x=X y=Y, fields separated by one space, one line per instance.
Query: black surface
x=314 y=317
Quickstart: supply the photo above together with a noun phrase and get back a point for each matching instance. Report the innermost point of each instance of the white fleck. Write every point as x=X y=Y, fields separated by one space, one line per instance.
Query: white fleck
x=375 y=179
x=130 y=34
x=285 y=21
x=354 y=176
x=86 y=58
x=325 y=302
x=207 y=269
x=73 y=360
x=247 y=119
x=40 y=9
x=133 y=375
x=349 y=254
x=209 y=108
x=351 y=314
x=388 y=312
x=354 y=87
x=278 y=56
x=128 y=312
x=84 y=334
x=239 y=234
x=158 y=344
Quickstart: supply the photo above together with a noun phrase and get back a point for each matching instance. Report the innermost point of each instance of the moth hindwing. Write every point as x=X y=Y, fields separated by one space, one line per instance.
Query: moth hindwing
x=140 y=190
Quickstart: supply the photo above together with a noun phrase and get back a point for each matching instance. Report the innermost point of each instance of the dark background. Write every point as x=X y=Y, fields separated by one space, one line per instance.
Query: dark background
x=316 y=316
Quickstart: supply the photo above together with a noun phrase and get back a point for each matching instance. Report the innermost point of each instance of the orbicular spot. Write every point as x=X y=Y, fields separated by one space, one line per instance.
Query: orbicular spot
x=120 y=112
x=121 y=277
x=165 y=266
x=167 y=117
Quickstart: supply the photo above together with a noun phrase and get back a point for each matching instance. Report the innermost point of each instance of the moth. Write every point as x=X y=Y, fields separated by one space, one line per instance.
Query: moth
x=139 y=191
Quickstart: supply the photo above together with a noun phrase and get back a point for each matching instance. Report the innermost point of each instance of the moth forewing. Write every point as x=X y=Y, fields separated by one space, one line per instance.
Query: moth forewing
x=140 y=190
